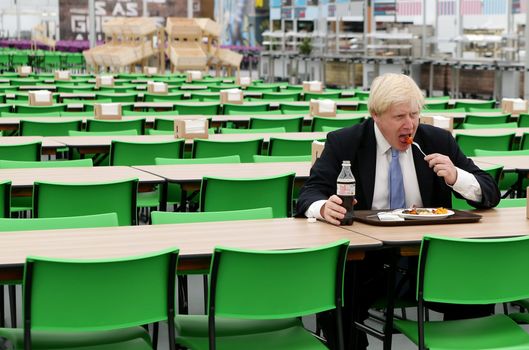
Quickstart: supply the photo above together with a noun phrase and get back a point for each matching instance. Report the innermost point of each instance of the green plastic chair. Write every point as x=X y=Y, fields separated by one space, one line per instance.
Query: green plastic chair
x=435 y=106
x=263 y=88
x=508 y=179
x=240 y=278
x=27 y=109
x=469 y=143
x=74 y=199
x=287 y=108
x=321 y=95
x=319 y=122
x=118 y=97
x=362 y=106
x=163 y=217
x=524 y=142
x=523 y=120
x=363 y=95
x=281 y=96
x=85 y=221
x=203 y=148
x=487 y=119
x=271 y=112
x=478 y=110
x=511 y=125
x=158 y=132
x=39 y=128
x=197 y=109
x=143 y=153
x=451 y=271
x=290 y=124
x=116 y=125
x=206 y=96
x=276 y=159
x=476 y=105
x=272 y=191
x=30 y=151
x=251 y=131
x=174 y=96
x=246 y=108
x=289 y=147
x=54 y=287
x=5 y=199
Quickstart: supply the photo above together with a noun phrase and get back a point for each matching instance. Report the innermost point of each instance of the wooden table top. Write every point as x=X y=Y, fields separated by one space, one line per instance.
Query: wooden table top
x=195 y=172
x=508 y=162
x=504 y=222
x=491 y=132
x=193 y=240
x=26 y=177
x=17 y=140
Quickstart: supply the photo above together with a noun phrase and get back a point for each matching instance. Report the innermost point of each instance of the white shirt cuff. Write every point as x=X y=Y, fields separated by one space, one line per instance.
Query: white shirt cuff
x=467 y=185
x=314 y=210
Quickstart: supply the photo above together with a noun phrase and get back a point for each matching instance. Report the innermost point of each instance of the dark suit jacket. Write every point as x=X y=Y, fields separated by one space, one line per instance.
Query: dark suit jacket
x=358 y=144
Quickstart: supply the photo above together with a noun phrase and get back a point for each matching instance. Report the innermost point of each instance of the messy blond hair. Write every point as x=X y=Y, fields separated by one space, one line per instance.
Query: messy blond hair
x=391 y=88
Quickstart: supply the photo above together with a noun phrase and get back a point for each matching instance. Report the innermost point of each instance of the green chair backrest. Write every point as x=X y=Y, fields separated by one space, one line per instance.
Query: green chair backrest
x=27 y=109
x=293 y=124
x=250 y=131
x=206 y=96
x=363 y=95
x=164 y=124
x=86 y=221
x=130 y=291
x=362 y=106
x=512 y=125
x=173 y=96
x=116 y=125
x=281 y=96
x=489 y=153
x=435 y=106
x=523 y=120
x=330 y=128
x=281 y=292
x=276 y=159
x=273 y=191
x=143 y=153
x=289 y=147
x=247 y=108
x=478 y=110
x=524 y=143
x=211 y=160
x=468 y=143
x=245 y=149
x=487 y=119
x=73 y=199
x=289 y=108
x=5 y=199
x=475 y=105
x=102 y=133
x=158 y=132
x=76 y=163
x=163 y=217
x=30 y=151
x=118 y=97
x=59 y=128
x=319 y=122
x=460 y=264
x=200 y=109
x=321 y=95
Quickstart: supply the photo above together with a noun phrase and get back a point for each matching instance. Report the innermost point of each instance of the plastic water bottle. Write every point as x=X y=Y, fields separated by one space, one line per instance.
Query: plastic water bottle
x=345 y=189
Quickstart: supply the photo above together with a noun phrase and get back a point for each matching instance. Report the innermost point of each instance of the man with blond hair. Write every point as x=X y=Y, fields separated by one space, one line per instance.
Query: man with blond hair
x=395 y=103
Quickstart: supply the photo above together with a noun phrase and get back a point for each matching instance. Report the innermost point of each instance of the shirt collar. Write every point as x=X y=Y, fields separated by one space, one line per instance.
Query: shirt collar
x=382 y=144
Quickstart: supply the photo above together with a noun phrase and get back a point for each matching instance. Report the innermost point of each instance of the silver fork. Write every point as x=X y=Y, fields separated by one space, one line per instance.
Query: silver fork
x=419 y=148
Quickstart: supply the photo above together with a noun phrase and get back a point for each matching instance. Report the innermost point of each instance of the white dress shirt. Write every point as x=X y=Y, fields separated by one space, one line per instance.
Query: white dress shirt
x=466 y=184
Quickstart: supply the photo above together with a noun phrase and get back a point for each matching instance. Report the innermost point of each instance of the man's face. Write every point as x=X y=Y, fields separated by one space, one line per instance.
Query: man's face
x=397 y=123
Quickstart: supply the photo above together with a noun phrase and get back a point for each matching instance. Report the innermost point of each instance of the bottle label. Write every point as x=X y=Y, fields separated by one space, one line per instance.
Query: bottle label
x=346 y=189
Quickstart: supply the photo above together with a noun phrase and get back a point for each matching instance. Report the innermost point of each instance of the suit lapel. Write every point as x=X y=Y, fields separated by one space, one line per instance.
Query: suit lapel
x=367 y=154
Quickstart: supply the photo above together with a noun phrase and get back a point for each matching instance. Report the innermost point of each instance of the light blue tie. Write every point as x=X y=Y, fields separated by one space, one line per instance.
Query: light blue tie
x=397 y=199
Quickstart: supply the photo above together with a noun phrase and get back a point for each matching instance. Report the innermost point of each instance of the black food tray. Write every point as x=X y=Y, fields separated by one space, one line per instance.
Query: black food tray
x=460 y=217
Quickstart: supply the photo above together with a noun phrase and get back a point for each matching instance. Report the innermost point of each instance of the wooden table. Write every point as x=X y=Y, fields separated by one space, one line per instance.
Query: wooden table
x=195 y=241
x=491 y=132
x=49 y=146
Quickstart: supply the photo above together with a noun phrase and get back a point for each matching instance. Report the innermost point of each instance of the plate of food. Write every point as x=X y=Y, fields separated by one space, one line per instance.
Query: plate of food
x=424 y=213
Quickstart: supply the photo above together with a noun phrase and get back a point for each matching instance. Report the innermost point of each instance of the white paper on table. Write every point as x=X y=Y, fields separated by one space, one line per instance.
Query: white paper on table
x=245 y=80
x=42 y=96
x=519 y=105
x=315 y=86
x=110 y=108
x=106 y=79
x=25 y=69
x=151 y=70
x=441 y=121
x=159 y=87
x=233 y=94
x=197 y=126
x=63 y=74
x=196 y=74
x=326 y=106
